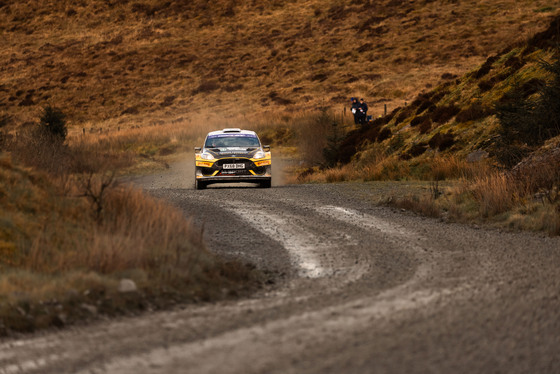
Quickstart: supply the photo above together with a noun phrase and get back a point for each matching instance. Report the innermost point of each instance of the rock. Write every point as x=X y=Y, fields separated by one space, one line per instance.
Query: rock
x=477 y=156
x=90 y=308
x=60 y=320
x=127 y=285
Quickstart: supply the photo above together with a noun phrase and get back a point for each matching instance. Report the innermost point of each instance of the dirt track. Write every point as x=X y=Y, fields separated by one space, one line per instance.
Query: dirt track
x=359 y=289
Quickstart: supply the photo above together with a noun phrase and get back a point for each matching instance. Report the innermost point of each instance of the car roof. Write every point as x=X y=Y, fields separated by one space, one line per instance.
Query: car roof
x=232 y=131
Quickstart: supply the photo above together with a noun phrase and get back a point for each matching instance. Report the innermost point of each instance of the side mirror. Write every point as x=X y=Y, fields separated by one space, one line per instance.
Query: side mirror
x=266 y=148
x=197 y=149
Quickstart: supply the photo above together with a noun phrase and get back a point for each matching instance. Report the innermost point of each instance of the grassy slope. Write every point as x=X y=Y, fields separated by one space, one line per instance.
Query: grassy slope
x=128 y=63
x=61 y=262
x=451 y=132
x=457 y=118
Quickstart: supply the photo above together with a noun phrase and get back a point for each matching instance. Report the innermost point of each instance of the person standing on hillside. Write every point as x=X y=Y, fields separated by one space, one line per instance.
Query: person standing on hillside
x=363 y=108
x=355 y=110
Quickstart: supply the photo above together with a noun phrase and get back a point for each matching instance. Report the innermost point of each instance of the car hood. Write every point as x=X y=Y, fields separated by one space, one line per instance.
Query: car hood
x=232 y=152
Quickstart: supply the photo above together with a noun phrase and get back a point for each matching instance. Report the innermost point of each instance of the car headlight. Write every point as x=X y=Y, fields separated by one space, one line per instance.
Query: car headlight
x=206 y=156
x=259 y=154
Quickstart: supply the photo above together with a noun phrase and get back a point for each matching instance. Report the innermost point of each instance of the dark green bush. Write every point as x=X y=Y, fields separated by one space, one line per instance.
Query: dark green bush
x=529 y=120
x=53 y=123
x=334 y=140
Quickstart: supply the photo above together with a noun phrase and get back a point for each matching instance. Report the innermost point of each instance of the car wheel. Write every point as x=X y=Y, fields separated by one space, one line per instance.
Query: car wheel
x=199 y=185
x=265 y=184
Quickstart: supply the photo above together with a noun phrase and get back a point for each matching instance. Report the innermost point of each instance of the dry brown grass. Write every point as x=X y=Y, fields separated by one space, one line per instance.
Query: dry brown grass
x=495 y=193
x=136 y=232
x=376 y=164
x=496 y=198
x=59 y=160
x=453 y=167
x=66 y=240
x=528 y=200
x=138 y=63
x=424 y=205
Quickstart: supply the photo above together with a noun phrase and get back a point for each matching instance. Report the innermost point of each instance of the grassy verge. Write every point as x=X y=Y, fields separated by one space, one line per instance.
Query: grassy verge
x=526 y=197
x=80 y=246
x=488 y=201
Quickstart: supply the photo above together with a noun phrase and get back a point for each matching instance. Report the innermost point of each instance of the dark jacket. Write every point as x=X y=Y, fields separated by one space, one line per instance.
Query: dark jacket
x=363 y=106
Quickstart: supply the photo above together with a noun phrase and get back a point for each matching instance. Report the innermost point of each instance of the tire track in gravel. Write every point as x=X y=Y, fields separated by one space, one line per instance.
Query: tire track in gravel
x=258 y=344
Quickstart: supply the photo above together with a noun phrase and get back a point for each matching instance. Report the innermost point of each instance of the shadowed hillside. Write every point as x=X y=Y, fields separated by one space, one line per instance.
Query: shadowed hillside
x=125 y=63
x=486 y=112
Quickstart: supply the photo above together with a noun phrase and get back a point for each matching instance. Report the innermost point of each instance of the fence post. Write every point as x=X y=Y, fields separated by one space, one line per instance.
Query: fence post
x=385 y=109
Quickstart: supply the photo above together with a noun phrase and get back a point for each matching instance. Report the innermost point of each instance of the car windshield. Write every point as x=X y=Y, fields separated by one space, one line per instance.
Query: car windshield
x=232 y=140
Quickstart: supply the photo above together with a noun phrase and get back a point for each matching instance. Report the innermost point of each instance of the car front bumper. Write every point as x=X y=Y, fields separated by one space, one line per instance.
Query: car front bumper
x=218 y=175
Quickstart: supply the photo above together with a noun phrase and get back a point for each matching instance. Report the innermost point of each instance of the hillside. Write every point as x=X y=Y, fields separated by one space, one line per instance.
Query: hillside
x=462 y=117
x=66 y=251
x=129 y=63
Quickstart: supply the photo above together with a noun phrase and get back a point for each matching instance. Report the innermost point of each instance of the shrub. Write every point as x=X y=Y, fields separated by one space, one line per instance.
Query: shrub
x=417 y=149
x=509 y=153
x=404 y=114
x=486 y=85
x=486 y=67
x=384 y=134
x=418 y=120
x=527 y=121
x=532 y=120
x=331 y=151
x=442 y=141
x=540 y=173
x=423 y=106
x=425 y=126
x=444 y=113
x=53 y=123
x=473 y=112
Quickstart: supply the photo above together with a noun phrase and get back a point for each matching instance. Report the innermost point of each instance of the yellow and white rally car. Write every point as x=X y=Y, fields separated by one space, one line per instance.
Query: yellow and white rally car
x=232 y=155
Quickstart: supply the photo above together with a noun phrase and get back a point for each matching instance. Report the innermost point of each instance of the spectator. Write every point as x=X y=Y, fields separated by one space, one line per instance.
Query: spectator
x=363 y=108
x=355 y=110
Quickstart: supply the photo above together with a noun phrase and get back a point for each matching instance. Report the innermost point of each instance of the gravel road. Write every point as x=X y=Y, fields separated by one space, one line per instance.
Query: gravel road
x=357 y=289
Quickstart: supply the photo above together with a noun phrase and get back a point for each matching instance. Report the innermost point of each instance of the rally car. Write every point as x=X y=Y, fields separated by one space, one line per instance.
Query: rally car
x=232 y=155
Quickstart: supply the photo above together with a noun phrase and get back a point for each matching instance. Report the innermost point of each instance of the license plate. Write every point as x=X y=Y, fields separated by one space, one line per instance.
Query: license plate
x=234 y=166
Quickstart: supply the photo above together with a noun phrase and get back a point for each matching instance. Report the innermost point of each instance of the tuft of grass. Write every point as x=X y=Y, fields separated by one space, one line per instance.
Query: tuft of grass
x=444 y=167
x=424 y=205
x=495 y=194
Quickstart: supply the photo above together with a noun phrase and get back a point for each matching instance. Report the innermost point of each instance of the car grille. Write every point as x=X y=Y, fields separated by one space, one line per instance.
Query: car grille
x=248 y=163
